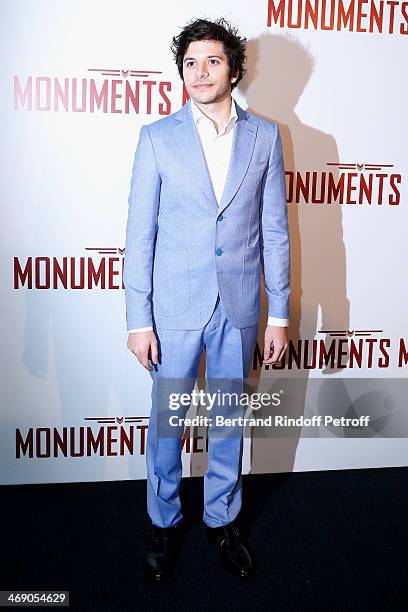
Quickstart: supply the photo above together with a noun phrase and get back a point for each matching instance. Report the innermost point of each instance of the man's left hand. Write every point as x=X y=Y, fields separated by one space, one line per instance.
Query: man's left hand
x=276 y=343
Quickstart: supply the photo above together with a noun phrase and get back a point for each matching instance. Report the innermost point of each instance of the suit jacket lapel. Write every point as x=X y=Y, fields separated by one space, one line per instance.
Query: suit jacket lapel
x=243 y=143
x=189 y=147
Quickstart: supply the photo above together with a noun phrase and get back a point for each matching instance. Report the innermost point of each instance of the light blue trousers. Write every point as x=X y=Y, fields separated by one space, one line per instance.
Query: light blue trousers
x=229 y=352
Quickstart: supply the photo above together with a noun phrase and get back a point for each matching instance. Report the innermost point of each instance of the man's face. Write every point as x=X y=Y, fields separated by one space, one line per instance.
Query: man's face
x=206 y=63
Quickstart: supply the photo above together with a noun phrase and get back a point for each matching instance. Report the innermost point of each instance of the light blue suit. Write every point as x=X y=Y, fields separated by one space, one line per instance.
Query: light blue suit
x=192 y=271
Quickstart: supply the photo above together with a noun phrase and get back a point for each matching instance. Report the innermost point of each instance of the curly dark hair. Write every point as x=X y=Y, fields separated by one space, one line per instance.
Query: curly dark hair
x=204 y=29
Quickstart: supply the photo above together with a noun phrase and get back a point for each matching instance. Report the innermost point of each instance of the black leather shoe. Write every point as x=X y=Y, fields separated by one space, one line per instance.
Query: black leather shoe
x=162 y=551
x=234 y=555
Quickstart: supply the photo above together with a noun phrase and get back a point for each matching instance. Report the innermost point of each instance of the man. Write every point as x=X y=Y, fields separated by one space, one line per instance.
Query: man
x=207 y=211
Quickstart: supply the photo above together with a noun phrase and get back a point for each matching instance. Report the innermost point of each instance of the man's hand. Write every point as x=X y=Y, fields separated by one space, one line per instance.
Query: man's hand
x=276 y=343
x=140 y=344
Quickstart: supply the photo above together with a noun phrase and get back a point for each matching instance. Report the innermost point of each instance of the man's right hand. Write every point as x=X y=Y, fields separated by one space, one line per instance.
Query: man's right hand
x=141 y=344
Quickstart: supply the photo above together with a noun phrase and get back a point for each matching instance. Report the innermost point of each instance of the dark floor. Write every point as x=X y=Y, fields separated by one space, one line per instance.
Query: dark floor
x=321 y=540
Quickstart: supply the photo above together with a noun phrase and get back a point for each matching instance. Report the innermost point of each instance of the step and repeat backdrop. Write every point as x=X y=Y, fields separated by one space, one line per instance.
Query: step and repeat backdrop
x=78 y=80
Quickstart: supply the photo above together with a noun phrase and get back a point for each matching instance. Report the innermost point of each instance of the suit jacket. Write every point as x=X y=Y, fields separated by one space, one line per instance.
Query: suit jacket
x=183 y=248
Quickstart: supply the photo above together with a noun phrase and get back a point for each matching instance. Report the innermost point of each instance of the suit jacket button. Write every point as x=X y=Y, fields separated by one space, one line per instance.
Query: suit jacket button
x=220 y=218
x=218 y=251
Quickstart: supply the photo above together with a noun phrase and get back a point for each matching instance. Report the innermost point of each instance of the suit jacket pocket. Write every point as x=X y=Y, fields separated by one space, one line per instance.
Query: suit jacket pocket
x=171 y=281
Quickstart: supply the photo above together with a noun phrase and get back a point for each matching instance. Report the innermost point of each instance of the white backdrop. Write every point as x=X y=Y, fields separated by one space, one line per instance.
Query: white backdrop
x=340 y=98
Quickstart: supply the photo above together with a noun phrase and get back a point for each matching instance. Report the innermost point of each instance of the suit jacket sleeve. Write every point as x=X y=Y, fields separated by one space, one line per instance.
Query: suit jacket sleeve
x=141 y=232
x=275 y=245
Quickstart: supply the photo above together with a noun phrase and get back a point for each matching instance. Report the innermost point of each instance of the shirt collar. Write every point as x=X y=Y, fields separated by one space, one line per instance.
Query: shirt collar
x=198 y=113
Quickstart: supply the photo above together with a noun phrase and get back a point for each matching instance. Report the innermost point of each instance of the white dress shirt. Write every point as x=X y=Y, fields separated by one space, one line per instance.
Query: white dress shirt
x=217 y=153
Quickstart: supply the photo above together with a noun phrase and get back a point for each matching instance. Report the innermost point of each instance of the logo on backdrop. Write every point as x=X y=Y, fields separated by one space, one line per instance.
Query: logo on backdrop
x=382 y=17
x=102 y=90
x=72 y=272
x=108 y=437
x=348 y=183
x=340 y=349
